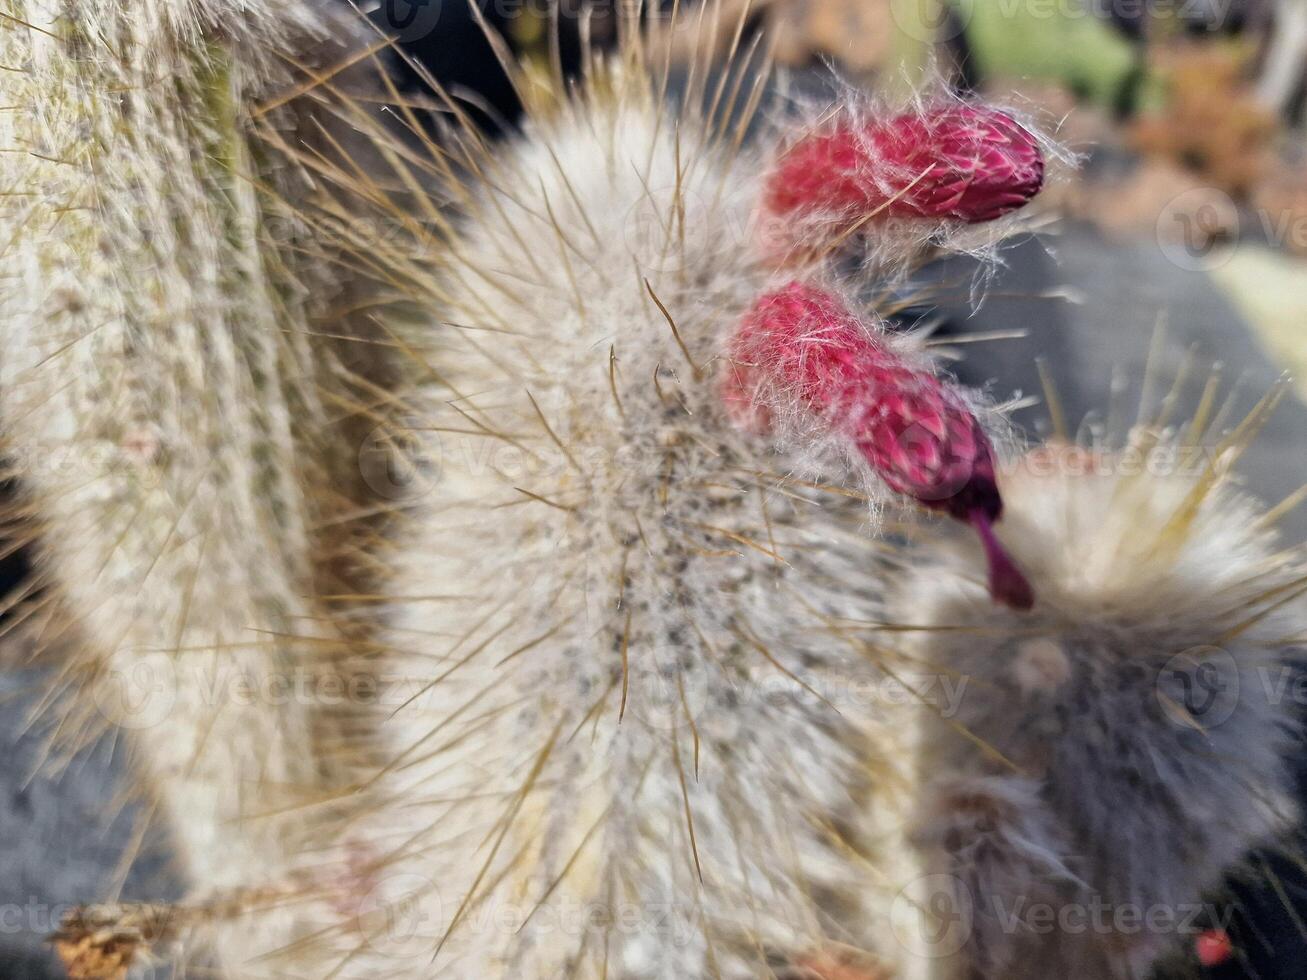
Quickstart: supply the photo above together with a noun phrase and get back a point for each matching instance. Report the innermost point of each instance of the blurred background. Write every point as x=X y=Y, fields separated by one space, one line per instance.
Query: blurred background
x=1178 y=240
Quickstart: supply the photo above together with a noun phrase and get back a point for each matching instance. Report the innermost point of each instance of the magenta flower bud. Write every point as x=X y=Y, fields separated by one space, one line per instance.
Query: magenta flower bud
x=801 y=344
x=950 y=162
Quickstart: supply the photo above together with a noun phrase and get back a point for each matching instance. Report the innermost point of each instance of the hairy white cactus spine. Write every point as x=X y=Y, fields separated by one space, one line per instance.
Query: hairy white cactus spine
x=163 y=404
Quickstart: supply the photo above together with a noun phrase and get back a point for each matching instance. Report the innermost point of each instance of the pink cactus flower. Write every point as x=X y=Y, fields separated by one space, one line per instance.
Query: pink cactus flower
x=801 y=344
x=962 y=162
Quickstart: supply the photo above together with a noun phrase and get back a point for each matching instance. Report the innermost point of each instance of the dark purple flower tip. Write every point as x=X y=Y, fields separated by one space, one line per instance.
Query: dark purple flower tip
x=1007 y=583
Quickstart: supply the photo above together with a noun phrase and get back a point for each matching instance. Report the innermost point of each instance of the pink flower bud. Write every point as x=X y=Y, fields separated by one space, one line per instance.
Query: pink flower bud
x=963 y=162
x=801 y=345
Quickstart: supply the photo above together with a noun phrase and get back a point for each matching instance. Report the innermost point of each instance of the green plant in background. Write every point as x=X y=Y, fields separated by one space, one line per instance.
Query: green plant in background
x=1063 y=42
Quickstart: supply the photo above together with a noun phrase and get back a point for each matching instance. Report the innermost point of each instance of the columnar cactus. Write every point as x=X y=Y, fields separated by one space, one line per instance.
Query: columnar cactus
x=171 y=414
x=637 y=596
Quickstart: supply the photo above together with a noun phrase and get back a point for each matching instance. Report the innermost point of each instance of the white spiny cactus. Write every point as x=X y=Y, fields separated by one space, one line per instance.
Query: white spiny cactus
x=168 y=411
x=635 y=706
x=1126 y=743
x=619 y=602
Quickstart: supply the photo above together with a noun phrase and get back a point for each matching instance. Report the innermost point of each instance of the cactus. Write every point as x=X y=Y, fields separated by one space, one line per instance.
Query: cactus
x=1126 y=746
x=623 y=609
x=626 y=615
x=172 y=418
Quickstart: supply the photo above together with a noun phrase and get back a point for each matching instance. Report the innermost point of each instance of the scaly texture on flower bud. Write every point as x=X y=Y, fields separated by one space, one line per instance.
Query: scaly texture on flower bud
x=801 y=344
x=960 y=162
